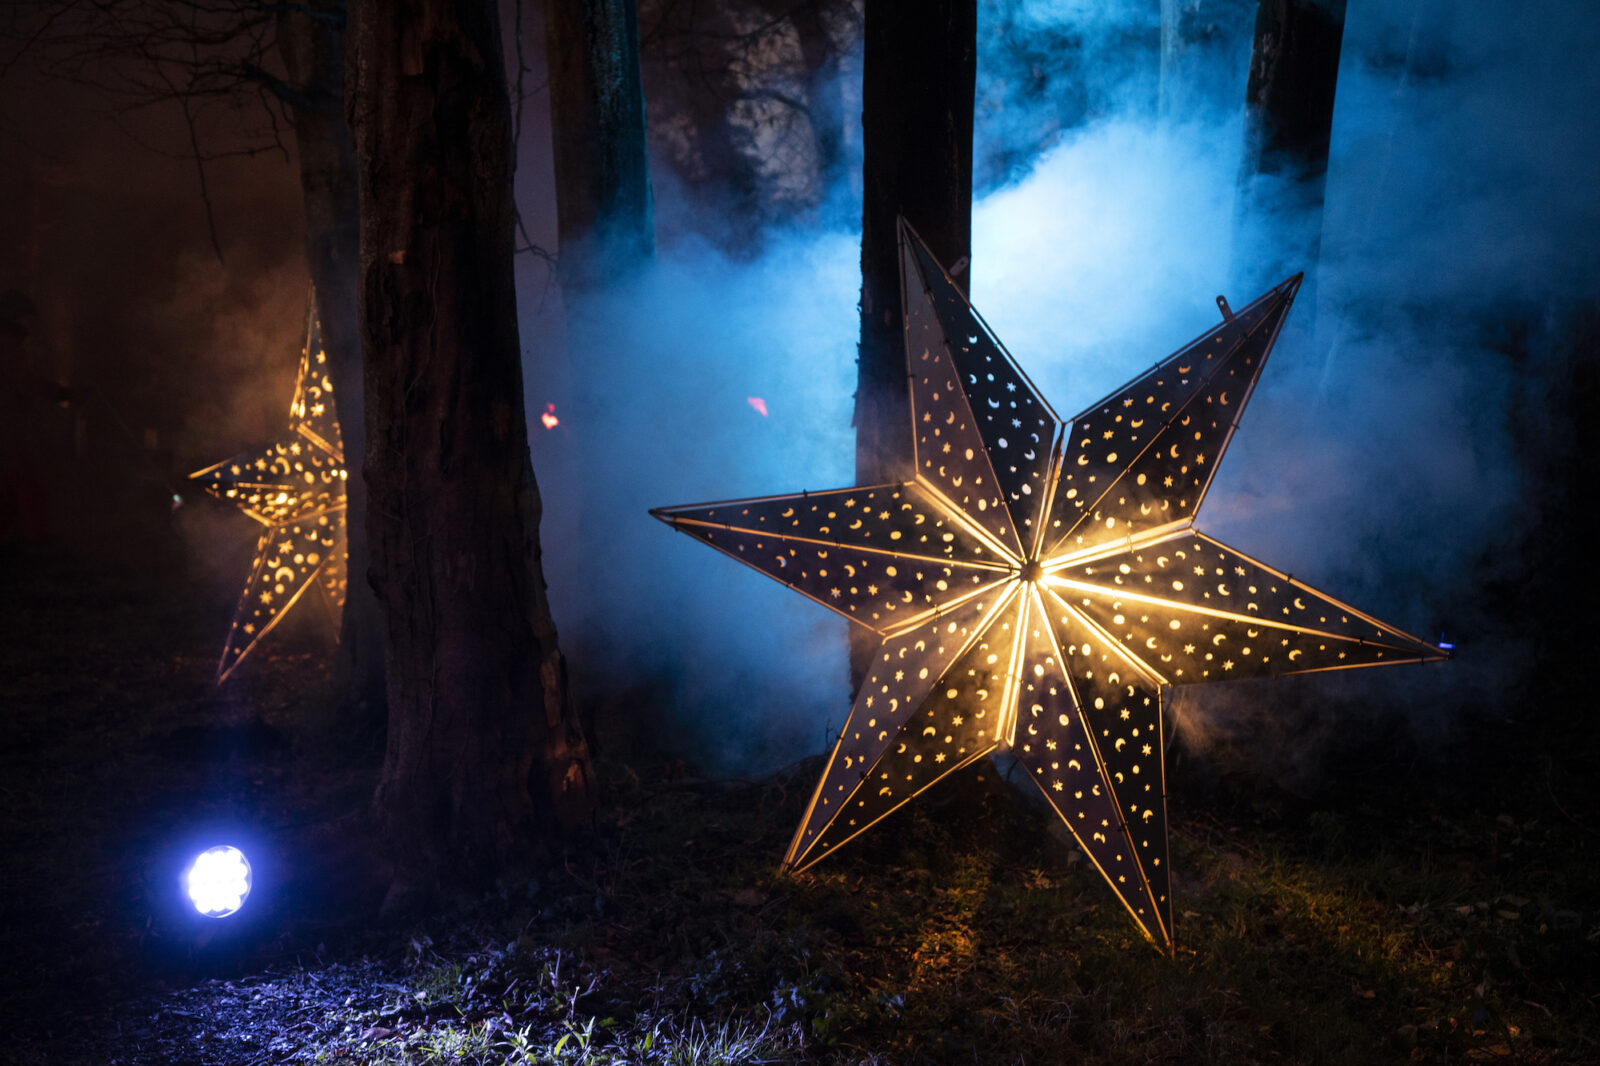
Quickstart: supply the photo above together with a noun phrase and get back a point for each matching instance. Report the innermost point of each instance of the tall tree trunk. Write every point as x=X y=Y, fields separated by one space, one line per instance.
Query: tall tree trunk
x=819 y=55
x=603 y=204
x=484 y=755
x=723 y=171
x=1201 y=53
x=920 y=70
x=1294 y=71
x=312 y=45
x=919 y=74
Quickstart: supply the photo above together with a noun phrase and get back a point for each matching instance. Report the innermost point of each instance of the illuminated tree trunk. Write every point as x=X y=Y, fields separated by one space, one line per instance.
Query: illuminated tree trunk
x=920 y=70
x=484 y=754
x=311 y=44
x=603 y=204
x=1294 y=71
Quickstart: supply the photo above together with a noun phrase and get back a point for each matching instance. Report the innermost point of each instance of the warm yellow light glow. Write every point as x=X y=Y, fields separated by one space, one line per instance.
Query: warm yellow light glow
x=294 y=487
x=1039 y=582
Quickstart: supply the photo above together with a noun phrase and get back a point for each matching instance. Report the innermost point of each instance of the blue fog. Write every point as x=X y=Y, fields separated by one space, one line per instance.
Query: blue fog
x=1375 y=461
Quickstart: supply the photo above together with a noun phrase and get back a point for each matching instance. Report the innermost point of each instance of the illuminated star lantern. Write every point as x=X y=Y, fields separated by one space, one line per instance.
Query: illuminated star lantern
x=295 y=487
x=1039 y=583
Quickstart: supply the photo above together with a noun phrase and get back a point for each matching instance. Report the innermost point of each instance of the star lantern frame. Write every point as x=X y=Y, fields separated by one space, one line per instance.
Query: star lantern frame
x=294 y=487
x=1039 y=584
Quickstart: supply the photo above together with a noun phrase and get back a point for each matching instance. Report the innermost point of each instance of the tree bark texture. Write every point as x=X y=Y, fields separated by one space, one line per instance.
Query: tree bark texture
x=311 y=43
x=1294 y=72
x=484 y=753
x=919 y=74
x=603 y=204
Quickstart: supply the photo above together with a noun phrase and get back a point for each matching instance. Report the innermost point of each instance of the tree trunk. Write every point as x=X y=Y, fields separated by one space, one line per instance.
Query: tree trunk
x=694 y=71
x=824 y=99
x=311 y=44
x=1294 y=71
x=603 y=208
x=920 y=70
x=484 y=753
x=1202 y=44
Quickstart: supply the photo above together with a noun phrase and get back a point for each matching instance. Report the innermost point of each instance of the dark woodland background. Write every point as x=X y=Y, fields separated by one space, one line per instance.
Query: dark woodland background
x=1421 y=445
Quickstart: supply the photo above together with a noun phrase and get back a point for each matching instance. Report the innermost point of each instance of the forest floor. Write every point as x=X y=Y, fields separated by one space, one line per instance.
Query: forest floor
x=1413 y=914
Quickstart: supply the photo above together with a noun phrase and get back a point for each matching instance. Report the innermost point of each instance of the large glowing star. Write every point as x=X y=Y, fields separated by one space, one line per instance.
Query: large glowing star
x=1039 y=583
x=295 y=487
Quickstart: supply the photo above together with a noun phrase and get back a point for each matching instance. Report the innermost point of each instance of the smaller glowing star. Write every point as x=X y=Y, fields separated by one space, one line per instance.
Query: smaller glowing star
x=295 y=487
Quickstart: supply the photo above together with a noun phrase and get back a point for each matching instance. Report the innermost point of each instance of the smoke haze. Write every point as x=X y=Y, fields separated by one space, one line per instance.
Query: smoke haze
x=1385 y=457
x=1378 y=460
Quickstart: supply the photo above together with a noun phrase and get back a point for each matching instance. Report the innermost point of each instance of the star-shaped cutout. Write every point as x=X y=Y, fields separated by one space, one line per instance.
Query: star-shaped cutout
x=1039 y=583
x=295 y=487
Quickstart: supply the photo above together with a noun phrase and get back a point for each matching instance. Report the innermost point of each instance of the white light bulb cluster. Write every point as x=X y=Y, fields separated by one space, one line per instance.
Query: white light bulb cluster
x=219 y=881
